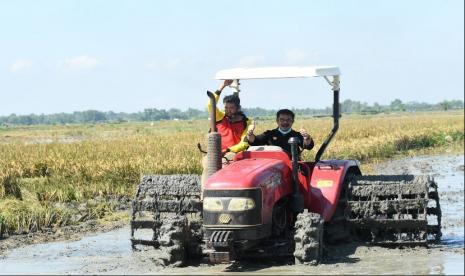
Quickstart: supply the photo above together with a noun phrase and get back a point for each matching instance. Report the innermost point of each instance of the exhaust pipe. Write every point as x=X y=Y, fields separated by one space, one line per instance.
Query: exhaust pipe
x=214 y=140
x=297 y=199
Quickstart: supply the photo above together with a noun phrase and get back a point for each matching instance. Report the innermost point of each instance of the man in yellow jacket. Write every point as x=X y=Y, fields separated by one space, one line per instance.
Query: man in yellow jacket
x=232 y=124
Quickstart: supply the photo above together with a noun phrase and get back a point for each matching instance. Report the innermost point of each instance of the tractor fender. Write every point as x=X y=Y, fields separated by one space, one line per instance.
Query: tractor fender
x=326 y=183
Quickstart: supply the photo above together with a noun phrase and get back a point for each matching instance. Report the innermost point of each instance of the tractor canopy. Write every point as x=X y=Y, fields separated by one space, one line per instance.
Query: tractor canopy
x=329 y=73
x=277 y=72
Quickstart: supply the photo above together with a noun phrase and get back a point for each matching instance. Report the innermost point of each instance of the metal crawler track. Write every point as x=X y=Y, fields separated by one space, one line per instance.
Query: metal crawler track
x=394 y=209
x=169 y=208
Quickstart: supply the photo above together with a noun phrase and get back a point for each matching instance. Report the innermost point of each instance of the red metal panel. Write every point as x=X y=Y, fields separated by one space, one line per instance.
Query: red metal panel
x=325 y=185
x=271 y=171
x=271 y=175
x=244 y=174
x=279 y=155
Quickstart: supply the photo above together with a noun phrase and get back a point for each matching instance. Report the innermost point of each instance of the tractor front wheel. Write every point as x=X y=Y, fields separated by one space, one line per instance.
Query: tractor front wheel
x=308 y=238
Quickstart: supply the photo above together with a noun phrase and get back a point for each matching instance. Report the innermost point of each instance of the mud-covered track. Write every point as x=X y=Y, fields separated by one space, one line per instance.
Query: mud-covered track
x=162 y=199
x=394 y=209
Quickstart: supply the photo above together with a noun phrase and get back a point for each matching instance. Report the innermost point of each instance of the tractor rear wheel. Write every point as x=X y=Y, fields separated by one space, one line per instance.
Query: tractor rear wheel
x=308 y=238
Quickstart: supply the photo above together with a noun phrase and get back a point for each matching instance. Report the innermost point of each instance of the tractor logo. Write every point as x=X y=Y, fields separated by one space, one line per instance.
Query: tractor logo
x=224 y=218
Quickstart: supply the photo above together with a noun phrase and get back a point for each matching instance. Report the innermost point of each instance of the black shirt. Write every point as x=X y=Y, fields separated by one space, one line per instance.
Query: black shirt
x=275 y=138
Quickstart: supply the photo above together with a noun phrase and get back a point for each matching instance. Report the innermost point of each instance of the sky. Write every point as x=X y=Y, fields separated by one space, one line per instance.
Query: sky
x=124 y=56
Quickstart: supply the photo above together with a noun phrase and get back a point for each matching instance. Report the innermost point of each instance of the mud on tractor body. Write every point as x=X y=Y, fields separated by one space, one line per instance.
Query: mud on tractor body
x=265 y=204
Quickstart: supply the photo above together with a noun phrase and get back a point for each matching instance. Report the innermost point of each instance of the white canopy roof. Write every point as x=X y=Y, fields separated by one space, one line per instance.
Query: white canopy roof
x=277 y=72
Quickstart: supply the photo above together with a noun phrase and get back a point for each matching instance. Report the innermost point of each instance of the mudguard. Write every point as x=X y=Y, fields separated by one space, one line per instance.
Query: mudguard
x=326 y=183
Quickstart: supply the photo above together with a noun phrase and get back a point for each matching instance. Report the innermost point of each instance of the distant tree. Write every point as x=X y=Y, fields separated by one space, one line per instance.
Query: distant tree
x=93 y=116
x=175 y=113
x=445 y=105
x=456 y=104
x=397 y=105
x=377 y=107
x=195 y=114
x=153 y=114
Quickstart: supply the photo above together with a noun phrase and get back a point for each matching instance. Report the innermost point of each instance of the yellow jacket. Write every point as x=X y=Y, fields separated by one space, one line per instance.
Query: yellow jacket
x=226 y=130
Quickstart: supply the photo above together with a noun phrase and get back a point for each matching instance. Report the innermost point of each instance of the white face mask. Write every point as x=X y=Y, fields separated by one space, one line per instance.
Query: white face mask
x=284 y=132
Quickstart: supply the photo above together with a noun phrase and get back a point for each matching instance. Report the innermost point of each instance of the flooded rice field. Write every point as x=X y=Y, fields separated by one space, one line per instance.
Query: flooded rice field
x=110 y=252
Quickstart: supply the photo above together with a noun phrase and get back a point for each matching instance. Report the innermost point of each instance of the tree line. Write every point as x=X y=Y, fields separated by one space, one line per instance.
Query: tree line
x=153 y=114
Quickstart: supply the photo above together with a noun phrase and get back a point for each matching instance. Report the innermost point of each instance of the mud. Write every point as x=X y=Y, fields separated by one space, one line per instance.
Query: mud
x=67 y=233
x=308 y=238
x=111 y=253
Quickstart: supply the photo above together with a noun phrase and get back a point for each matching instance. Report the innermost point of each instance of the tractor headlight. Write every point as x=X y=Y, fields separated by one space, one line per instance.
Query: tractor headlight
x=212 y=204
x=241 y=204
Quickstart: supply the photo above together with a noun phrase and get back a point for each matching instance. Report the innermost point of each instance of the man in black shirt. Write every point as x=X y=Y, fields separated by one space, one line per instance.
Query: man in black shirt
x=280 y=135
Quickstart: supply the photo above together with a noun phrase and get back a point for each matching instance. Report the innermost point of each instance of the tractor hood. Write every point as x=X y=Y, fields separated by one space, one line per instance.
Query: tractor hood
x=249 y=173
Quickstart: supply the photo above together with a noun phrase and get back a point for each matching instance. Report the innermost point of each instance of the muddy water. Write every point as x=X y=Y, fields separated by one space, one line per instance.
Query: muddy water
x=110 y=253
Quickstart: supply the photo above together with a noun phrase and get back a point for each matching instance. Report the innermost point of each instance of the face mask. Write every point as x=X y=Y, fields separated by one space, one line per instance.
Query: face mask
x=284 y=132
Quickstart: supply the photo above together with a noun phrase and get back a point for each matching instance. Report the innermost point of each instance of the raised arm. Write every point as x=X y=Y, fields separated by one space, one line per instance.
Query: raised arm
x=219 y=113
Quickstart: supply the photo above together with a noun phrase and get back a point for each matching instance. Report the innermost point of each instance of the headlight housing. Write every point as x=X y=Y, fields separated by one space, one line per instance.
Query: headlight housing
x=241 y=204
x=215 y=204
x=212 y=204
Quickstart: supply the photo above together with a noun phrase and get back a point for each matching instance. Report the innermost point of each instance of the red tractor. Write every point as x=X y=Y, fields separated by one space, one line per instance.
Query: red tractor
x=266 y=204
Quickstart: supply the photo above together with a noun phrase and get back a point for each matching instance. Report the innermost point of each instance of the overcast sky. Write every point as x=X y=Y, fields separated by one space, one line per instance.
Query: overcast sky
x=64 y=56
